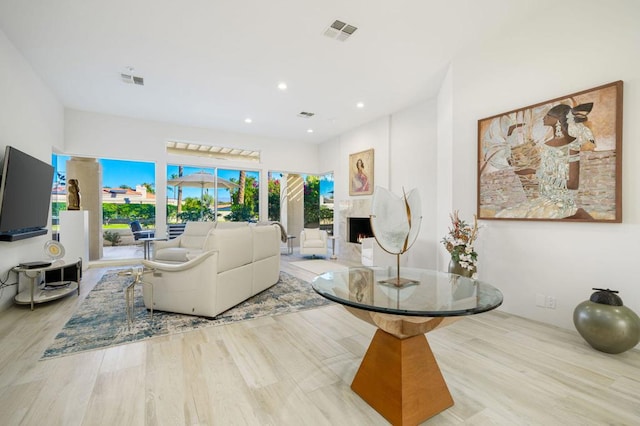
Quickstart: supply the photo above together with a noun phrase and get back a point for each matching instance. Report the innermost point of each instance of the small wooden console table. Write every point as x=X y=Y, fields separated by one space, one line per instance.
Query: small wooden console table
x=47 y=291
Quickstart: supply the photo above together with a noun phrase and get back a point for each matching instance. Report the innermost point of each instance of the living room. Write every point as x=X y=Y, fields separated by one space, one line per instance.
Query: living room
x=538 y=53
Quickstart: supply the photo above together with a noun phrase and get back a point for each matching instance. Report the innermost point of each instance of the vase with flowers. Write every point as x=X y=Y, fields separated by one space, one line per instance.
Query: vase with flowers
x=459 y=243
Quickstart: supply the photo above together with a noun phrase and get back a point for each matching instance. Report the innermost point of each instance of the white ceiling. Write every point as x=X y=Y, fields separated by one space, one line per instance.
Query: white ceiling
x=212 y=63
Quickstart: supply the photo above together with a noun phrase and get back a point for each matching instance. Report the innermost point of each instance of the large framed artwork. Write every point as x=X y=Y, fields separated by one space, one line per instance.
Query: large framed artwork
x=558 y=160
x=361 y=173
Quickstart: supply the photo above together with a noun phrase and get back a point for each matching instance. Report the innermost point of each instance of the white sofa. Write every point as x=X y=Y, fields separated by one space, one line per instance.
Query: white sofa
x=313 y=241
x=237 y=263
x=190 y=243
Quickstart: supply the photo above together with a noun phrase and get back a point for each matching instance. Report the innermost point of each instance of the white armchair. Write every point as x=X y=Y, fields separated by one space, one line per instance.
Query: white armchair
x=313 y=241
x=188 y=245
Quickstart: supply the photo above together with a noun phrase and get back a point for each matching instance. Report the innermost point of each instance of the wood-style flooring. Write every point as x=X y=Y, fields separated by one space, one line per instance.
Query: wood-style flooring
x=296 y=369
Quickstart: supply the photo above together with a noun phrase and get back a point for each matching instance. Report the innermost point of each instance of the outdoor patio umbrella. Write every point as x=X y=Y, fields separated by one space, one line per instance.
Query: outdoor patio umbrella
x=203 y=180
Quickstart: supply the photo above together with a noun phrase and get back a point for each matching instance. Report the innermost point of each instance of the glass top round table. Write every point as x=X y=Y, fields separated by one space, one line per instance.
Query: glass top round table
x=427 y=293
x=399 y=376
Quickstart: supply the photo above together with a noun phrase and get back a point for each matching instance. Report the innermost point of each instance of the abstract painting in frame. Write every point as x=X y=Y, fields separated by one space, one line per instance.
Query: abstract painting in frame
x=361 y=172
x=559 y=160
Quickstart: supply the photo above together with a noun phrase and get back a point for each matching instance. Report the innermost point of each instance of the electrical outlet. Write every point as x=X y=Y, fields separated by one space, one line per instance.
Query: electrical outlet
x=551 y=302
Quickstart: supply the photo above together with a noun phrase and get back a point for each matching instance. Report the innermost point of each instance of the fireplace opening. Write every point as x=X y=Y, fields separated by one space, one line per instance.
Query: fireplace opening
x=359 y=228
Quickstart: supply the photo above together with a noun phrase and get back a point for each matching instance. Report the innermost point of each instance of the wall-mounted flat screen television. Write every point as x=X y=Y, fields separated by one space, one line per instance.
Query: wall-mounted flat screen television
x=25 y=195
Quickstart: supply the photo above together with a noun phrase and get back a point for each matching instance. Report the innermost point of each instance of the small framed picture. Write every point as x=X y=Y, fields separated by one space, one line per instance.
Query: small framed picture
x=361 y=173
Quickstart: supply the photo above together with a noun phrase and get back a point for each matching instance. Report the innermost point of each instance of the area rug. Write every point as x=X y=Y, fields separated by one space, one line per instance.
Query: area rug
x=101 y=320
x=319 y=266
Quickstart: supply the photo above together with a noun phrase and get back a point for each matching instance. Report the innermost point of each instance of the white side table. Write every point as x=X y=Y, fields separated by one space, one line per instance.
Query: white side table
x=290 y=239
x=147 y=245
x=333 y=247
x=46 y=292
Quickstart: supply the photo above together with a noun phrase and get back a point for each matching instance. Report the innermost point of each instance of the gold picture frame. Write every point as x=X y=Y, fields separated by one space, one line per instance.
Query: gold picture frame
x=361 y=173
x=558 y=160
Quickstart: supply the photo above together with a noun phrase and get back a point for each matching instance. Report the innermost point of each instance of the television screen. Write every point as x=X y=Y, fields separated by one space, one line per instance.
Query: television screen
x=25 y=195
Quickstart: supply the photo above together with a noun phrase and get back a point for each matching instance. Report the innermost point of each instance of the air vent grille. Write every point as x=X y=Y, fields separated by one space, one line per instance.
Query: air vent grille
x=132 y=79
x=339 y=30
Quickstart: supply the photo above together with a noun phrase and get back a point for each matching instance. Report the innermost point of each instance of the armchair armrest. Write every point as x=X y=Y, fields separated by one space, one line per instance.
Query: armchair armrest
x=176 y=267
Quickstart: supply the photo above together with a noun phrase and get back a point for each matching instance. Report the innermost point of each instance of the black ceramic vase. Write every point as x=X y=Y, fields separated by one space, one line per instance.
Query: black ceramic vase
x=606 y=324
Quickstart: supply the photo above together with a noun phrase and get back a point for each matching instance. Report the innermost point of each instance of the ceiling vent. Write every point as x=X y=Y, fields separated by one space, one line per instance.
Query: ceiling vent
x=128 y=77
x=340 y=30
x=305 y=114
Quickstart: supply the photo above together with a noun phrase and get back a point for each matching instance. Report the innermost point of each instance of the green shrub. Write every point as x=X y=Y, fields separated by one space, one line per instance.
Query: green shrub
x=113 y=237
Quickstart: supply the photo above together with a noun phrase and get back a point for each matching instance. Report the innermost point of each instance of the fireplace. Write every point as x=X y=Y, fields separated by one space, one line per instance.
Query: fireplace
x=358 y=228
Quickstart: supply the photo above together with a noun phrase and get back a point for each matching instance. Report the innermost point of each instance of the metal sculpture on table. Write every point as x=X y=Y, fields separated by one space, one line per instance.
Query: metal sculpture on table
x=395 y=222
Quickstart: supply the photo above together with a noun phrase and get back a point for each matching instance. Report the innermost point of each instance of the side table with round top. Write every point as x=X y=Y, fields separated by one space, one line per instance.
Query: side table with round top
x=399 y=376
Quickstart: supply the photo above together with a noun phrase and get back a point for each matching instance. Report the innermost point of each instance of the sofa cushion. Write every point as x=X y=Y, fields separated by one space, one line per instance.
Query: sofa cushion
x=172 y=254
x=195 y=234
x=266 y=242
x=235 y=246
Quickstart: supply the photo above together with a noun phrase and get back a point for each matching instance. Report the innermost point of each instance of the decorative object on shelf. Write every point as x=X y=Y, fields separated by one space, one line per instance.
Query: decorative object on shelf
x=459 y=243
x=73 y=195
x=395 y=223
x=361 y=173
x=539 y=162
x=54 y=250
x=606 y=324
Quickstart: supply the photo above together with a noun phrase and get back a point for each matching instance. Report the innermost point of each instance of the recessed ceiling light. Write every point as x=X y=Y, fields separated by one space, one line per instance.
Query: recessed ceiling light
x=309 y=130
x=248 y=120
x=282 y=86
x=360 y=104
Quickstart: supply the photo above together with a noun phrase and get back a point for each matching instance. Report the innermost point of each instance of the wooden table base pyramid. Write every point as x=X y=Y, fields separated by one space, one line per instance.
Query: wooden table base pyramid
x=400 y=379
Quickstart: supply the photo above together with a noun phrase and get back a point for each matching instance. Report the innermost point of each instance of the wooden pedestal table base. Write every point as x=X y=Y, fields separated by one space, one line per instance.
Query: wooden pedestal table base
x=399 y=376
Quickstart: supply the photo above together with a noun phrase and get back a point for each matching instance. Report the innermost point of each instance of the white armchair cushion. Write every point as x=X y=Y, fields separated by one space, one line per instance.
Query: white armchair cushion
x=312 y=234
x=313 y=241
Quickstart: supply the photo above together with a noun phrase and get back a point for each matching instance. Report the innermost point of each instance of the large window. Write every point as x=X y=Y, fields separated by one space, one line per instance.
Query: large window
x=317 y=199
x=207 y=194
x=128 y=191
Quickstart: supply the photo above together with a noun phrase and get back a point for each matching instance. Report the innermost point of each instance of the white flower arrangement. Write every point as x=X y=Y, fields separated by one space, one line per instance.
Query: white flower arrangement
x=459 y=242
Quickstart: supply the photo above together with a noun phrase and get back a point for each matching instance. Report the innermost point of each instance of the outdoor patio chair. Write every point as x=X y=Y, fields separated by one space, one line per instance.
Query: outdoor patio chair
x=138 y=232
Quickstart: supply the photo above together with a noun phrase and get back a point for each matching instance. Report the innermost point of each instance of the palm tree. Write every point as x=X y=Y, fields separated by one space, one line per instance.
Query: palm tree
x=241 y=183
x=179 y=197
x=149 y=188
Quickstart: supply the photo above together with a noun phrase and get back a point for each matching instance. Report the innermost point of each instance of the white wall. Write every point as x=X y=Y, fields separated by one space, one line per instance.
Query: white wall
x=405 y=145
x=31 y=119
x=107 y=136
x=413 y=164
x=573 y=47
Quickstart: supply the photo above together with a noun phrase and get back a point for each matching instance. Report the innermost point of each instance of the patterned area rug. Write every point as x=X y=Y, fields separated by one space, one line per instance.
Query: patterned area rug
x=101 y=320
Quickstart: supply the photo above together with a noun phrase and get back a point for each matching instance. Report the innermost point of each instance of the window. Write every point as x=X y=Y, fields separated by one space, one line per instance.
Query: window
x=207 y=194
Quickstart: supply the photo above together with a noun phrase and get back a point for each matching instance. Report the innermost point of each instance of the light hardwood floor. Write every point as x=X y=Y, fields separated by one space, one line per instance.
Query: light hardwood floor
x=296 y=369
